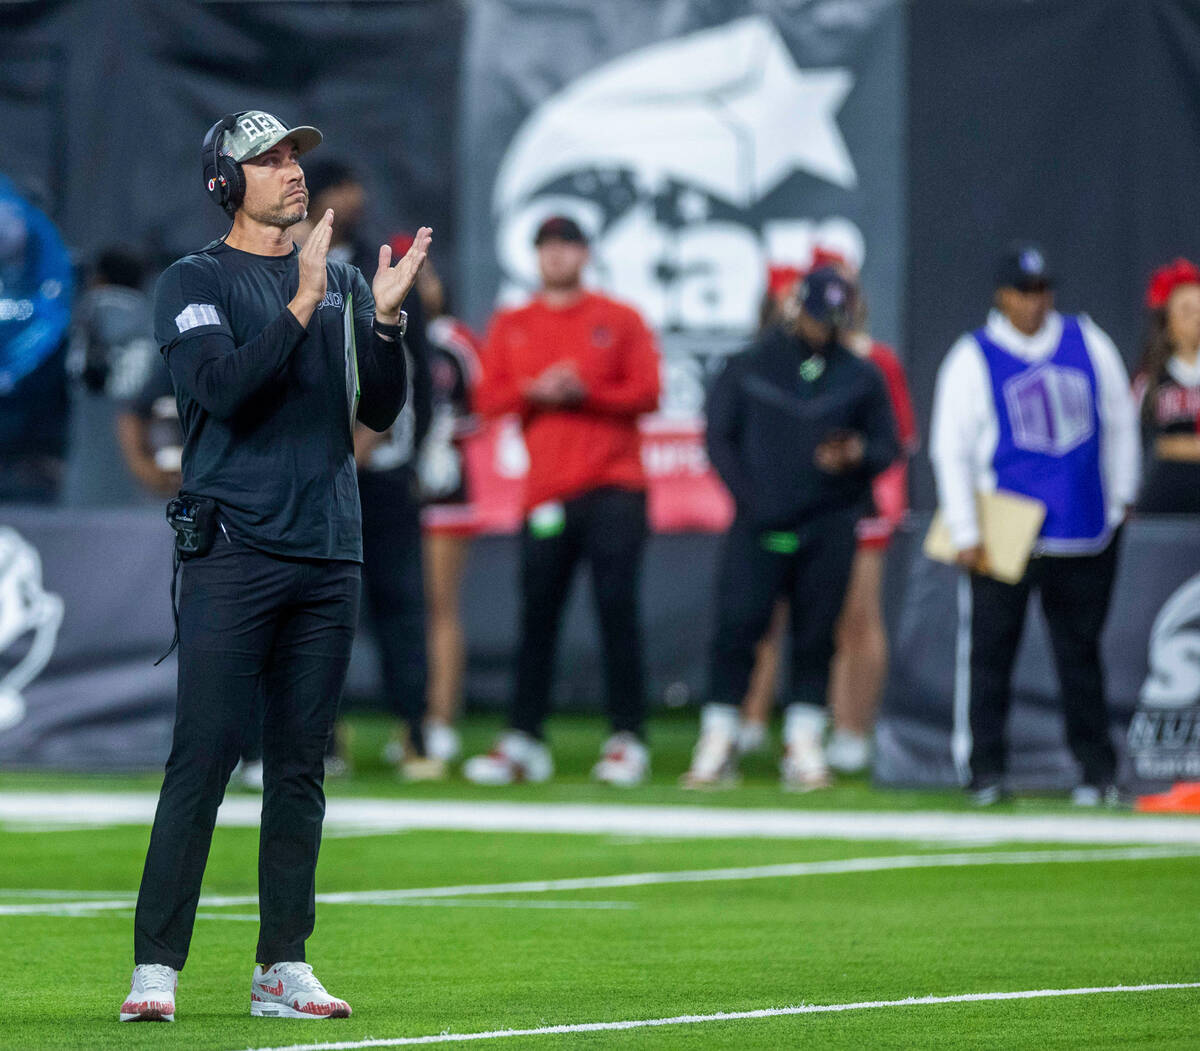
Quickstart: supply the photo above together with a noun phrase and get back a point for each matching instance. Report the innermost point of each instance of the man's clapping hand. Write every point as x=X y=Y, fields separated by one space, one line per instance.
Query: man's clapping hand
x=558 y=386
x=393 y=283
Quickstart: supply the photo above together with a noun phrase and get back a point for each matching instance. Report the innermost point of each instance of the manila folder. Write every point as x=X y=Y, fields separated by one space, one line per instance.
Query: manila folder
x=1010 y=525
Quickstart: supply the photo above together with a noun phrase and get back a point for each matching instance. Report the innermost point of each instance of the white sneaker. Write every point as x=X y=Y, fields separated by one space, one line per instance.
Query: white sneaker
x=1095 y=796
x=249 y=774
x=848 y=752
x=422 y=768
x=393 y=752
x=624 y=761
x=803 y=767
x=442 y=742
x=515 y=757
x=336 y=766
x=714 y=759
x=751 y=737
x=291 y=990
x=151 y=994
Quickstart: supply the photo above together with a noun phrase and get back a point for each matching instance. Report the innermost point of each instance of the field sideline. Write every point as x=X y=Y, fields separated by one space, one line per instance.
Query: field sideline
x=915 y=925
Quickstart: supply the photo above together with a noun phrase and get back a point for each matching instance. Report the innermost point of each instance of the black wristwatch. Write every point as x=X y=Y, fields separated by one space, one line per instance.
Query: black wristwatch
x=396 y=331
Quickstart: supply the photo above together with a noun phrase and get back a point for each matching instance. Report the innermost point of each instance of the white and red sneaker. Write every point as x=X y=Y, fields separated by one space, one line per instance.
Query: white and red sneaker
x=291 y=990
x=516 y=757
x=151 y=994
x=624 y=761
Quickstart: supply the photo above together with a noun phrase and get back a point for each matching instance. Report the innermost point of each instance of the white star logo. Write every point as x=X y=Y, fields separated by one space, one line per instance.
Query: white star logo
x=788 y=117
x=725 y=110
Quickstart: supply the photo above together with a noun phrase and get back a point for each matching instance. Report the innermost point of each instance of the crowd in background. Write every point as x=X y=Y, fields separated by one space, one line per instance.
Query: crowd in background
x=88 y=417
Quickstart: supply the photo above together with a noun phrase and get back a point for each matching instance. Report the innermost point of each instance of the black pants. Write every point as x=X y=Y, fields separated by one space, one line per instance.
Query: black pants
x=395 y=591
x=1075 y=593
x=607 y=528
x=755 y=569
x=244 y=618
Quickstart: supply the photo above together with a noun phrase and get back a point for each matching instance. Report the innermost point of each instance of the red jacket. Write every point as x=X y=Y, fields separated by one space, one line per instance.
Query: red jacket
x=572 y=451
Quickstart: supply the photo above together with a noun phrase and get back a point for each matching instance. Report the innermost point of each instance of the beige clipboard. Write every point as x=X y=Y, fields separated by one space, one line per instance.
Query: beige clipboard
x=1009 y=525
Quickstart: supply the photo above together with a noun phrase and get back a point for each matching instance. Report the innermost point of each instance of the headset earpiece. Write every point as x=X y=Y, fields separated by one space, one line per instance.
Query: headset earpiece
x=223 y=178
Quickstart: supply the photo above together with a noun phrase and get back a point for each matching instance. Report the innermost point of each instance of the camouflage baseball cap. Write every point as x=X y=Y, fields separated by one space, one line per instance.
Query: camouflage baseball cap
x=256 y=132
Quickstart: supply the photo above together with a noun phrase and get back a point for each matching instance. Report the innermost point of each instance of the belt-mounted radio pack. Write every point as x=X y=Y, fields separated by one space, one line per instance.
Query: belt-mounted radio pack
x=194 y=519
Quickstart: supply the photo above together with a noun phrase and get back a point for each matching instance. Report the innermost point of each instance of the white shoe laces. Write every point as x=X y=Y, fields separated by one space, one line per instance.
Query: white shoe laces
x=301 y=974
x=154 y=976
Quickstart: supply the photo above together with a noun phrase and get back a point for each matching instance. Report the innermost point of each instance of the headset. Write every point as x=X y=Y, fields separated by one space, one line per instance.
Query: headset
x=223 y=178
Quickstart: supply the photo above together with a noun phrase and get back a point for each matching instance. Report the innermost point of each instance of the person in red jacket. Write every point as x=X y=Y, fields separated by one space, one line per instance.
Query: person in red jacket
x=579 y=369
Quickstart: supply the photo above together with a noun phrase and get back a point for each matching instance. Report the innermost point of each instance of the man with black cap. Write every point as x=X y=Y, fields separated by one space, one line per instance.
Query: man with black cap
x=1035 y=403
x=579 y=369
x=798 y=425
x=274 y=353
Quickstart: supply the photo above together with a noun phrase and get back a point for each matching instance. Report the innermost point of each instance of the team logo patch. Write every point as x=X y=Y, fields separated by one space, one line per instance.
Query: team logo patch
x=1032 y=262
x=332 y=299
x=1051 y=409
x=196 y=315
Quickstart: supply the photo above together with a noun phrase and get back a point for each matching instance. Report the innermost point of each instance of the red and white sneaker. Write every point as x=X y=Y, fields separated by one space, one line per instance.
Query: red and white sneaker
x=624 y=761
x=151 y=994
x=516 y=757
x=291 y=990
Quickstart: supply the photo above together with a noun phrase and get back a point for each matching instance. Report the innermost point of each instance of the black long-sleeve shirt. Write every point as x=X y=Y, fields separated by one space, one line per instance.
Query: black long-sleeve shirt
x=765 y=422
x=267 y=405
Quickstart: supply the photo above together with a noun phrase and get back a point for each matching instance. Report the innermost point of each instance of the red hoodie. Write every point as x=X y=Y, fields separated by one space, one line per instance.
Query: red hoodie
x=594 y=444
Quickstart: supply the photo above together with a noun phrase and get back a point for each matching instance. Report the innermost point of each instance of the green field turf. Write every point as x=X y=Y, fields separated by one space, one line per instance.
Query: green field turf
x=526 y=959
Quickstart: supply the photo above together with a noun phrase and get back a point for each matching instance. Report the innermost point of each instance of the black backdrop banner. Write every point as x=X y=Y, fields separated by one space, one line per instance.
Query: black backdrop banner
x=113 y=99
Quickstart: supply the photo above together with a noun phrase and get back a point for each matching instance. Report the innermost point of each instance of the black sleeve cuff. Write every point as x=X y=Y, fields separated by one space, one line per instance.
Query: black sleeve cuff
x=292 y=323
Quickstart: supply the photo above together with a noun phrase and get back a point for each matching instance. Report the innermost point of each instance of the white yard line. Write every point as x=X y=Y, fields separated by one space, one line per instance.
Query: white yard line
x=728 y=1016
x=839 y=866
x=753 y=872
x=75 y=809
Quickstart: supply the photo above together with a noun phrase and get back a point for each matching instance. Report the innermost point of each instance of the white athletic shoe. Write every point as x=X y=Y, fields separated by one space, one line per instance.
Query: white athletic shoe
x=515 y=757
x=1095 y=796
x=751 y=738
x=249 y=774
x=803 y=767
x=422 y=768
x=714 y=759
x=848 y=752
x=151 y=994
x=624 y=761
x=291 y=990
x=442 y=742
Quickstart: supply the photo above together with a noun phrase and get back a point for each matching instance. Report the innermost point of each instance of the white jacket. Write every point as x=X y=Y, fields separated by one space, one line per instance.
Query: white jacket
x=964 y=431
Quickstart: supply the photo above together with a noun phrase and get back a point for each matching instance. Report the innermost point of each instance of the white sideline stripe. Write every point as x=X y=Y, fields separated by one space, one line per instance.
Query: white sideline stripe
x=645 y=879
x=729 y=1016
x=672 y=822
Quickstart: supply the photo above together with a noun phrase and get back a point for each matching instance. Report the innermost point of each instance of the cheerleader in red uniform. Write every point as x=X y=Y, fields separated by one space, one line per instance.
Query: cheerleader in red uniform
x=1167 y=386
